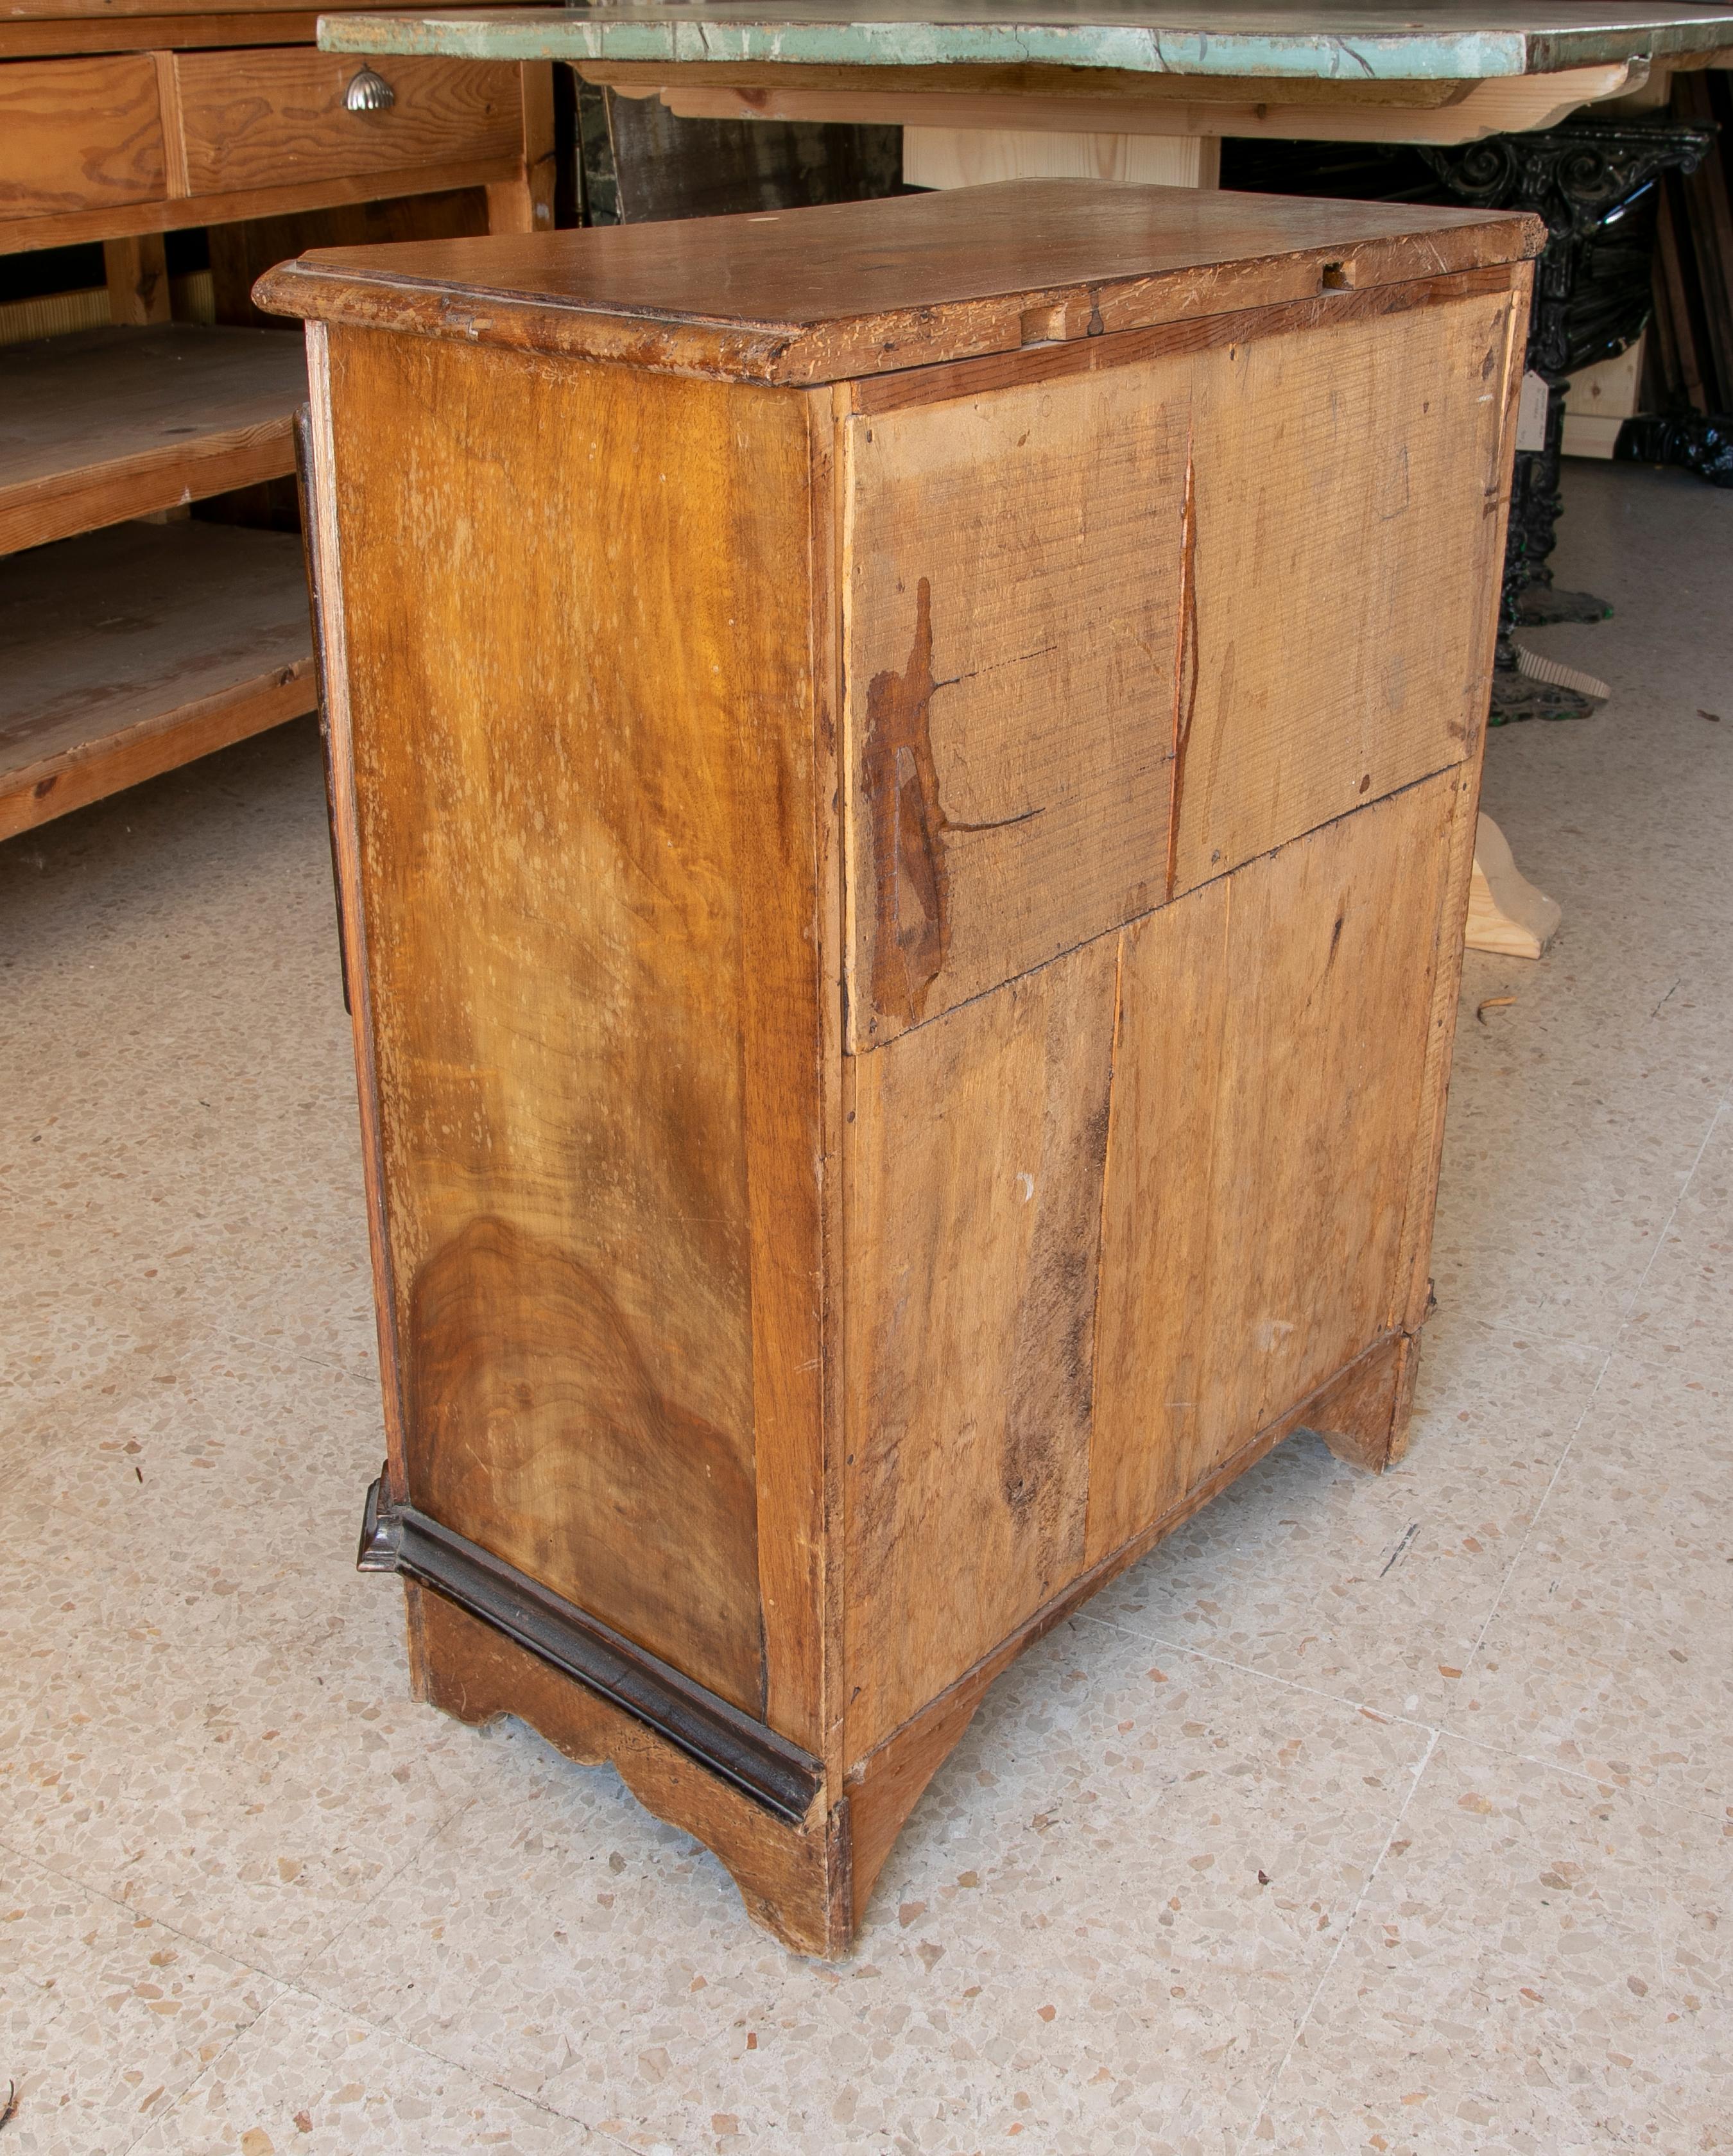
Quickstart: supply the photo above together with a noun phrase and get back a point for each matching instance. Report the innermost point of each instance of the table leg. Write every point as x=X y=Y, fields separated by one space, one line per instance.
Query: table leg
x=1506 y=914
x=971 y=157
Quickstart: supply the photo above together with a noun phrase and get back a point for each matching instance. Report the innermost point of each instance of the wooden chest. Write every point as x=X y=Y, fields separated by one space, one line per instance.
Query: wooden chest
x=904 y=777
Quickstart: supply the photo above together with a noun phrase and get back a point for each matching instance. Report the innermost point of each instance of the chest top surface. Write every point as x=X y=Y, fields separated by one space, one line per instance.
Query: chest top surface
x=850 y=288
x=1447 y=39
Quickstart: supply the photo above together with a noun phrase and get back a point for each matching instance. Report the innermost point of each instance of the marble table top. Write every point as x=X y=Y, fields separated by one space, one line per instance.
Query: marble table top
x=1452 y=40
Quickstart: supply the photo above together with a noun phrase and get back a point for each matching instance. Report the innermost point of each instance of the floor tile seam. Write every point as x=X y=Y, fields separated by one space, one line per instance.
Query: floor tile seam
x=1656 y=1361
x=206 y=2068
x=1666 y=1226
x=386 y=2027
x=1535 y=1516
x=358 y=1914
x=1165 y=1642
x=202 y=2068
x=1533 y=1329
x=1629 y=1302
x=135 y=1914
x=1711 y=1810
x=1710 y=1806
x=367 y=1381
x=1335 y=1953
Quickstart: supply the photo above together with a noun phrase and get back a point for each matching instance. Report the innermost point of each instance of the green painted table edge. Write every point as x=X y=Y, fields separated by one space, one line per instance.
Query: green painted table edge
x=1202 y=41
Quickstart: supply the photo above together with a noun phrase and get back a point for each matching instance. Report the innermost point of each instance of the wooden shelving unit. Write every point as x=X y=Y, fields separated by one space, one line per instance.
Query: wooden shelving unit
x=127 y=652
x=127 y=648
x=111 y=423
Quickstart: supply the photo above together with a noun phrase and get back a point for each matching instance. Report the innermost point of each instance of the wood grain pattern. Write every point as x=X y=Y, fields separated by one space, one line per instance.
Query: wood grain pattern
x=1347 y=511
x=570 y=1206
x=27 y=11
x=1047 y=361
x=854 y=289
x=79 y=135
x=973 y=1223
x=1077 y=85
x=136 y=274
x=263 y=118
x=324 y=584
x=1273 y=1031
x=210 y=645
x=108 y=424
x=1011 y=615
x=526 y=204
x=1191 y=130
x=63 y=36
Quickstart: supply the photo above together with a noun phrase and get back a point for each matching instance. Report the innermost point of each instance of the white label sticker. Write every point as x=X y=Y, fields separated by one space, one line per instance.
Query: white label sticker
x=1532 y=412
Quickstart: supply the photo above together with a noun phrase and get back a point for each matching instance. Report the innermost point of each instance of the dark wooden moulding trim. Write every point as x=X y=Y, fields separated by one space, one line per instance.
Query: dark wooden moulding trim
x=763 y=1766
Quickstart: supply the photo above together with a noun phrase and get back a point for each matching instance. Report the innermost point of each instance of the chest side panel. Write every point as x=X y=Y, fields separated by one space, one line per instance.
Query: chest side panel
x=1012 y=585
x=1345 y=518
x=575 y=603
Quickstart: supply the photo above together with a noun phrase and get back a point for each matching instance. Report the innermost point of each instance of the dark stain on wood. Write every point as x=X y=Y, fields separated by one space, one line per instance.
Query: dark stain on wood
x=1051 y=1383
x=1185 y=663
x=913 y=920
x=911 y=875
x=540 y=1431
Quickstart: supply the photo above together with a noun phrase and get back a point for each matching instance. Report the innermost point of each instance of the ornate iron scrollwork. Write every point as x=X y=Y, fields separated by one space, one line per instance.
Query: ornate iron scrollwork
x=1580 y=178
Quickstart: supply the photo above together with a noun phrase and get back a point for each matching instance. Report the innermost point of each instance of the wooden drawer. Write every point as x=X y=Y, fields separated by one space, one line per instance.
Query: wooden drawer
x=267 y=119
x=79 y=135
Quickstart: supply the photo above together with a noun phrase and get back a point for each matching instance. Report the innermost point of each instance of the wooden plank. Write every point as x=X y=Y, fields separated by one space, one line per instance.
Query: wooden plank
x=78 y=135
x=580 y=1267
x=136 y=274
x=1049 y=362
x=254 y=120
x=127 y=653
x=1176 y=114
x=112 y=423
x=73 y=228
x=527 y=204
x=73 y=11
x=973 y=1222
x=1077 y=86
x=318 y=481
x=1274 y=1028
x=38 y=38
x=866 y=288
x=1348 y=491
x=1011 y=611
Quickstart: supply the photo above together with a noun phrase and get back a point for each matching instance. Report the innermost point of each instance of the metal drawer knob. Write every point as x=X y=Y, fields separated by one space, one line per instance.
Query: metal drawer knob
x=369 y=93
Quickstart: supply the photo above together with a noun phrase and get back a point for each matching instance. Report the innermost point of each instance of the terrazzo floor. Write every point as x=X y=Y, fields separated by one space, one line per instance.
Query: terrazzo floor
x=1392 y=1815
